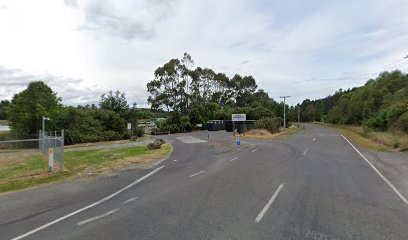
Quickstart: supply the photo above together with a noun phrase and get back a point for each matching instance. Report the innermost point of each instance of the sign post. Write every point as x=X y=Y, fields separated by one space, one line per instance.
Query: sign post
x=51 y=159
x=241 y=117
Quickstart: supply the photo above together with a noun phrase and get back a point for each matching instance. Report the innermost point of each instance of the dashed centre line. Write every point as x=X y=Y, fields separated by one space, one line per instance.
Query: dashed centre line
x=195 y=174
x=130 y=200
x=314 y=139
x=98 y=217
x=89 y=206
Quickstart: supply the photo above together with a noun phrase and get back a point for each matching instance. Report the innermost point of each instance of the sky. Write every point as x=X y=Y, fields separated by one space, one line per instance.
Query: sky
x=304 y=49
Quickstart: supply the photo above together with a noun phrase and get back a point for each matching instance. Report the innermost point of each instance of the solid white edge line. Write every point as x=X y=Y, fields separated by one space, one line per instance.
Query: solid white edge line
x=195 y=174
x=268 y=204
x=235 y=158
x=87 y=207
x=314 y=139
x=379 y=173
x=130 y=200
x=304 y=153
x=97 y=217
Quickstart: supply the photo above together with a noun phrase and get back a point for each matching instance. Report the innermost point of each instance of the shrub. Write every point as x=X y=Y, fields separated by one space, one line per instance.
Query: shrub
x=176 y=123
x=138 y=132
x=403 y=119
x=270 y=124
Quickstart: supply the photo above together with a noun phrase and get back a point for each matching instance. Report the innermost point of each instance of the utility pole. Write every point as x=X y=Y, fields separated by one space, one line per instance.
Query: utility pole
x=284 y=110
x=298 y=115
x=43 y=131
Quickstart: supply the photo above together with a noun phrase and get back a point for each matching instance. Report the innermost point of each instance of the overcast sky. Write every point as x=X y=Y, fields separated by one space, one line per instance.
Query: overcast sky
x=305 y=49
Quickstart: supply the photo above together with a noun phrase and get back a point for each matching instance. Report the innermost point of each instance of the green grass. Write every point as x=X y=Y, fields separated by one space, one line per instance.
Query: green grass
x=20 y=172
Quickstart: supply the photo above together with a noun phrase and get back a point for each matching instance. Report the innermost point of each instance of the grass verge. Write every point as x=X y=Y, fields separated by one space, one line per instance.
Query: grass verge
x=282 y=134
x=378 y=141
x=141 y=139
x=20 y=172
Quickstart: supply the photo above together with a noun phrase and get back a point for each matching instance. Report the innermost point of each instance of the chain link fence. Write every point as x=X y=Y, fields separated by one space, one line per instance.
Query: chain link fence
x=55 y=141
x=12 y=144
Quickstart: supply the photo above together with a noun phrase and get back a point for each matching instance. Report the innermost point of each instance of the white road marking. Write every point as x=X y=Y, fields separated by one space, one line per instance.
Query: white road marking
x=304 y=153
x=254 y=150
x=175 y=160
x=314 y=139
x=98 y=217
x=190 y=139
x=195 y=174
x=130 y=200
x=268 y=204
x=89 y=206
x=235 y=158
x=379 y=173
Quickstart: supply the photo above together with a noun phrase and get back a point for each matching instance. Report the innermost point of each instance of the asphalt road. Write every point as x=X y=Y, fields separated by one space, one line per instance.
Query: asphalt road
x=313 y=185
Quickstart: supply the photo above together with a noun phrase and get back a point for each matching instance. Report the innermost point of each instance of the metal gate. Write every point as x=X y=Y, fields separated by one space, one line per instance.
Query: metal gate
x=55 y=141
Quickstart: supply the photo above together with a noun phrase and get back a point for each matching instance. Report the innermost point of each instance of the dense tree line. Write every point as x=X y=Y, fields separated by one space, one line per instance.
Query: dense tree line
x=3 y=109
x=381 y=104
x=89 y=123
x=195 y=95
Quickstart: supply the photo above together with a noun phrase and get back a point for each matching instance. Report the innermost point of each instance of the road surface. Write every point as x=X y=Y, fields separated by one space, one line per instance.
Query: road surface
x=314 y=185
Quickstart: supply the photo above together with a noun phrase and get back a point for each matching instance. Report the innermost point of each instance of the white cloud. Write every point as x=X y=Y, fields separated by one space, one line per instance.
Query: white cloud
x=294 y=47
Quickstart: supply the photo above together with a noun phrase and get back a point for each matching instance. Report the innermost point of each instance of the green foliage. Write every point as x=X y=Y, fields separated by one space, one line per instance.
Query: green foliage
x=27 y=108
x=270 y=124
x=195 y=117
x=4 y=104
x=177 y=87
x=176 y=123
x=115 y=102
x=138 y=132
x=403 y=120
x=379 y=104
x=90 y=125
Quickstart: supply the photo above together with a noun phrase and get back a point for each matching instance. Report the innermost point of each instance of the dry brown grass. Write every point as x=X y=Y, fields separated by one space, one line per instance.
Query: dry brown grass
x=265 y=134
x=379 y=141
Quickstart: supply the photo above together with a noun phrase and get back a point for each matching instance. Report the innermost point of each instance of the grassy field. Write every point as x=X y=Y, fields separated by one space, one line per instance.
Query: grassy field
x=378 y=141
x=19 y=172
x=282 y=134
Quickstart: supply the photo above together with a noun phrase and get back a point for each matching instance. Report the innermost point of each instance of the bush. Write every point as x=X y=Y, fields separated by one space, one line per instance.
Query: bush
x=270 y=124
x=403 y=120
x=138 y=132
x=176 y=123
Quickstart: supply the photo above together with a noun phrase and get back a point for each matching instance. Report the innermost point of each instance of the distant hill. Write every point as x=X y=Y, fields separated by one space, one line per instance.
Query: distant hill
x=381 y=104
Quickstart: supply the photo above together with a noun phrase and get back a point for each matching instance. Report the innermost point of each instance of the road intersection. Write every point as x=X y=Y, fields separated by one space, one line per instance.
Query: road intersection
x=314 y=185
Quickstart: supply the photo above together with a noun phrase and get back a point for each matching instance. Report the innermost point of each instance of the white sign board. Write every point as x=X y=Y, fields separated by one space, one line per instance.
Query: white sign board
x=129 y=126
x=239 y=117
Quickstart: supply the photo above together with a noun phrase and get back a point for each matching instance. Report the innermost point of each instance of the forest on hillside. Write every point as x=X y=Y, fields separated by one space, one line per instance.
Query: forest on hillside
x=381 y=104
